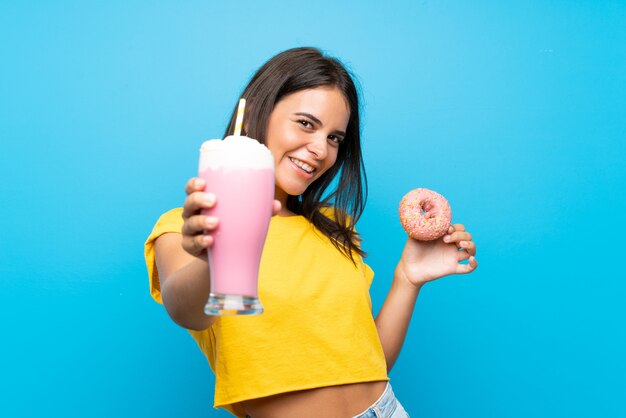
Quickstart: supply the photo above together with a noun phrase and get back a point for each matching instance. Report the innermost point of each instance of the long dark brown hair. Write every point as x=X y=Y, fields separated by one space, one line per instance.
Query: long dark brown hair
x=307 y=68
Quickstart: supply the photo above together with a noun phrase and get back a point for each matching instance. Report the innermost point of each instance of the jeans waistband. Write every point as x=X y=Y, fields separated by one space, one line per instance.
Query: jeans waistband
x=383 y=407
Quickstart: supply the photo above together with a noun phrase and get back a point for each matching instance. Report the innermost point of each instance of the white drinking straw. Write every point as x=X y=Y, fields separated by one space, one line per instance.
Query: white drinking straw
x=239 y=120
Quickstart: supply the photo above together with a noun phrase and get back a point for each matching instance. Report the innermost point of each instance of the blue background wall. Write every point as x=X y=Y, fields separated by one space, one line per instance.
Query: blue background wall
x=516 y=111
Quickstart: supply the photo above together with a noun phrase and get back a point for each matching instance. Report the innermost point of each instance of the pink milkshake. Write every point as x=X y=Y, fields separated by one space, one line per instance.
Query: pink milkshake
x=240 y=172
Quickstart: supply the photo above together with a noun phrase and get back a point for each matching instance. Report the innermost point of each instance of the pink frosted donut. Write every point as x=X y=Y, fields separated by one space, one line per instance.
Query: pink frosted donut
x=425 y=215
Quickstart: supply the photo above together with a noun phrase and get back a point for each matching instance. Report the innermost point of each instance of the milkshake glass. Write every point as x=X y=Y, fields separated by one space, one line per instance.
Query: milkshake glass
x=239 y=171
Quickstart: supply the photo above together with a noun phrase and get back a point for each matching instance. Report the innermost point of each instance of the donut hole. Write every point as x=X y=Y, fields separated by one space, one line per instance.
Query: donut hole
x=426 y=207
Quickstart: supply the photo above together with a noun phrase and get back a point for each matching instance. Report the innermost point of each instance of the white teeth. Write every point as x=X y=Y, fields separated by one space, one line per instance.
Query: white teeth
x=303 y=165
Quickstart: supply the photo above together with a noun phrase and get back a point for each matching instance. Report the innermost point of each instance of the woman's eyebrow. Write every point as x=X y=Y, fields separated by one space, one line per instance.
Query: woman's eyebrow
x=319 y=122
x=310 y=116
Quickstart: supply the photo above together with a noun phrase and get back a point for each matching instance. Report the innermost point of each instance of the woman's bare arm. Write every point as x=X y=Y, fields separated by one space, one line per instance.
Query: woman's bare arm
x=185 y=283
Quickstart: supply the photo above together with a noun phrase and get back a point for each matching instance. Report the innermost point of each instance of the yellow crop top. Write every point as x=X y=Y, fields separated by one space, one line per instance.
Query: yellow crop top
x=317 y=328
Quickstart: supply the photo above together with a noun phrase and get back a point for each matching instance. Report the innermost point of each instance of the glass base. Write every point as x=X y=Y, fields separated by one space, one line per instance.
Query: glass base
x=226 y=305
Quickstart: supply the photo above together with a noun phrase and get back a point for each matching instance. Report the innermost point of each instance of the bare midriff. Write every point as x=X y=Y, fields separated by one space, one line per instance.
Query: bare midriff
x=343 y=401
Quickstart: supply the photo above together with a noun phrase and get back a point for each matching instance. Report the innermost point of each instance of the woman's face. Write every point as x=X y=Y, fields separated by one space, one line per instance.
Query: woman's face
x=304 y=132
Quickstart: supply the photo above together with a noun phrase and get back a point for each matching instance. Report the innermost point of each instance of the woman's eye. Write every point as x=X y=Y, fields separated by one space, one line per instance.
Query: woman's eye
x=305 y=123
x=335 y=139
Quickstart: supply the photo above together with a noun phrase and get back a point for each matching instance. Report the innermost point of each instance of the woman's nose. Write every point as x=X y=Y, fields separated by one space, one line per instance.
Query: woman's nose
x=318 y=146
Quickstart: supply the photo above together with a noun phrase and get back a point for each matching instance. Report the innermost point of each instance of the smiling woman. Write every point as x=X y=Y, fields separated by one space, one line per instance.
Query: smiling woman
x=306 y=72
x=304 y=133
x=316 y=350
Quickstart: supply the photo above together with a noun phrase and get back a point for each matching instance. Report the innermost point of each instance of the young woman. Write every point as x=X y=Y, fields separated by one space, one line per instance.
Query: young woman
x=317 y=350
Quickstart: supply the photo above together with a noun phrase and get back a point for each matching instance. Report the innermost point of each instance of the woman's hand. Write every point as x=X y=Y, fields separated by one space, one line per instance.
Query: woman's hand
x=424 y=261
x=197 y=228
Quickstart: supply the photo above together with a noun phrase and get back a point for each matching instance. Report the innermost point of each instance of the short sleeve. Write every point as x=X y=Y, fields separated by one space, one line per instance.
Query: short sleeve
x=368 y=273
x=171 y=221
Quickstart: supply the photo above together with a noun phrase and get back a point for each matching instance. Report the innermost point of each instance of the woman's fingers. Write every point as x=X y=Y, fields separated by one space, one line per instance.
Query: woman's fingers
x=456 y=227
x=457 y=236
x=194 y=184
x=196 y=199
x=467 y=268
x=276 y=207
x=195 y=237
x=196 y=244
x=196 y=202
x=462 y=255
x=468 y=246
x=452 y=230
x=196 y=226
x=199 y=224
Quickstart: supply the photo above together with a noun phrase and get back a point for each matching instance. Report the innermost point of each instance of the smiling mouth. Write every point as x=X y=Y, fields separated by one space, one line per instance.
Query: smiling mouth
x=304 y=166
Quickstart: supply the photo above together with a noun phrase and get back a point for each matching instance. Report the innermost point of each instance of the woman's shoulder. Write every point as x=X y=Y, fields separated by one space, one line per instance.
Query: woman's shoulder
x=170 y=221
x=335 y=214
x=173 y=214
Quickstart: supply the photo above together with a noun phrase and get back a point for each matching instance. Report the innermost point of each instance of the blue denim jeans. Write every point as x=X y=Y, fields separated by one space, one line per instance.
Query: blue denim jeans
x=387 y=406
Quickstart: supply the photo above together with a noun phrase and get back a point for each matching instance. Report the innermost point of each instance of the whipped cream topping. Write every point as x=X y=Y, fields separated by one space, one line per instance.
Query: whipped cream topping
x=235 y=151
